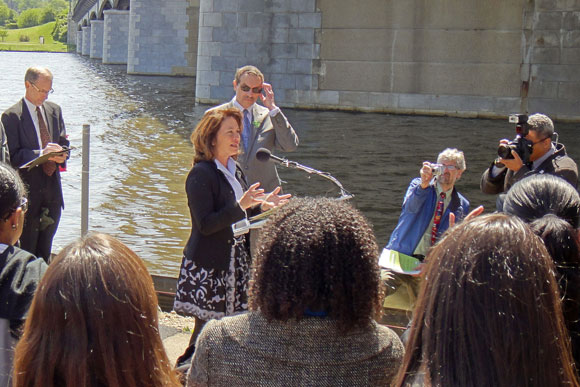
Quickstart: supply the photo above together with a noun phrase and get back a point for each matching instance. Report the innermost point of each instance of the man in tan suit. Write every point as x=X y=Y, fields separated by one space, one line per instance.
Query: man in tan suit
x=264 y=126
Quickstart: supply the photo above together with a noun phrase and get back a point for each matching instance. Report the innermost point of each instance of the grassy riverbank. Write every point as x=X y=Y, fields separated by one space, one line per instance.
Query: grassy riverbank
x=12 y=41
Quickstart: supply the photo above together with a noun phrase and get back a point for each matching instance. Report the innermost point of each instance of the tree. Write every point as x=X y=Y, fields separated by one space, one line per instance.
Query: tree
x=5 y=13
x=29 y=18
x=3 y=33
x=23 y=5
x=57 y=5
x=59 y=33
x=46 y=15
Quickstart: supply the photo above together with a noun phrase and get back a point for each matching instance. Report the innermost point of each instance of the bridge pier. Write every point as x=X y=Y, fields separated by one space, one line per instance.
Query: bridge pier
x=277 y=37
x=96 y=39
x=115 y=36
x=86 y=49
x=79 y=41
x=160 y=37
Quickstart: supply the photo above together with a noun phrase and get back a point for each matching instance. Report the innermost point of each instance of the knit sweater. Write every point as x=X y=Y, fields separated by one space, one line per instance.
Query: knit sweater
x=247 y=350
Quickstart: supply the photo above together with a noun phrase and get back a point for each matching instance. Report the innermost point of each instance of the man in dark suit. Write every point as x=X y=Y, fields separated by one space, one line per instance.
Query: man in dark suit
x=35 y=127
x=4 y=155
x=264 y=126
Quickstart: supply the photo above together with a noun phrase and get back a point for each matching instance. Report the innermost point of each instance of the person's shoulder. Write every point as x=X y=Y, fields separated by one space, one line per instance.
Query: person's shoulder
x=51 y=105
x=389 y=340
x=15 y=109
x=17 y=256
x=220 y=107
x=202 y=168
x=460 y=195
x=232 y=327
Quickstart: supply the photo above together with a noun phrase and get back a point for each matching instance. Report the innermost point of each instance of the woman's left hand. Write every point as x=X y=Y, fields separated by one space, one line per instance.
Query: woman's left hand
x=274 y=200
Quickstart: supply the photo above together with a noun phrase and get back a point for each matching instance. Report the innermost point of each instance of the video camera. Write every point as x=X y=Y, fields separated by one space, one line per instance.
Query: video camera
x=520 y=144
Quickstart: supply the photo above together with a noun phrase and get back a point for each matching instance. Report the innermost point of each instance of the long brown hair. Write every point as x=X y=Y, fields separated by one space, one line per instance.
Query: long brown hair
x=489 y=312
x=206 y=131
x=93 y=322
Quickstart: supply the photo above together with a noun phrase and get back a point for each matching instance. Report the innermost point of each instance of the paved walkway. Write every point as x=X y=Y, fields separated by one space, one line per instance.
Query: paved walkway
x=174 y=340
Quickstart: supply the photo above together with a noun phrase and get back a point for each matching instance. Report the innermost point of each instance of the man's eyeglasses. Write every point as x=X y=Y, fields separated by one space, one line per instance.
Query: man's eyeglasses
x=255 y=90
x=42 y=91
x=539 y=141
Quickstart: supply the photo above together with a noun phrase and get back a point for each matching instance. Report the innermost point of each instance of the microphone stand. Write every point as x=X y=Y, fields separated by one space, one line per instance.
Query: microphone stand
x=344 y=194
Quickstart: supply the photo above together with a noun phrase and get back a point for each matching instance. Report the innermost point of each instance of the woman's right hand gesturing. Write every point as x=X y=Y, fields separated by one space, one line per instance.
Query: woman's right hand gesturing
x=252 y=196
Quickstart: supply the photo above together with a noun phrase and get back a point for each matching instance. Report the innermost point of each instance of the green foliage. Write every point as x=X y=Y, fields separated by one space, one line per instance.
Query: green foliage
x=46 y=16
x=12 y=42
x=5 y=13
x=59 y=33
x=24 y=5
x=29 y=18
x=24 y=38
x=12 y=25
x=57 y=5
x=3 y=33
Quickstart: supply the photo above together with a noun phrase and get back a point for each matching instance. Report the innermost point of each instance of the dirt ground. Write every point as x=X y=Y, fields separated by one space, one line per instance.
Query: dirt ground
x=172 y=319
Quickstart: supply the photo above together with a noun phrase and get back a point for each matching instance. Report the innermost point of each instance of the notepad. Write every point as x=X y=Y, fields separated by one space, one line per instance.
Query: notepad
x=399 y=263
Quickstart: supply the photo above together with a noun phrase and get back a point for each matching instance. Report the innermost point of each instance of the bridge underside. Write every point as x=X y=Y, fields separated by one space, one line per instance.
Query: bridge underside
x=441 y=57
x=149 y=36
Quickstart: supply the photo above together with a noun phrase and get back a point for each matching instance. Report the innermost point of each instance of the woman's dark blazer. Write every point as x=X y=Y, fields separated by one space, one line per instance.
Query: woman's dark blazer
x=213 y=208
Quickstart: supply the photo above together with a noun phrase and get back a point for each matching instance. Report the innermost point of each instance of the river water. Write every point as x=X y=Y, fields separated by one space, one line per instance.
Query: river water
x=140 y=152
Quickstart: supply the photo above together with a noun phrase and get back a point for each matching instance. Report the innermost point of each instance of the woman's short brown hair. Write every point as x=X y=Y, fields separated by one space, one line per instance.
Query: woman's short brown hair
x=93 y=322
x=205 y=132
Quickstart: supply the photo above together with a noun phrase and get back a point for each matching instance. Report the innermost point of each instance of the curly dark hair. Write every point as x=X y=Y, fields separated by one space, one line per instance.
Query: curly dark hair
x=317 y=255
x=12 y=190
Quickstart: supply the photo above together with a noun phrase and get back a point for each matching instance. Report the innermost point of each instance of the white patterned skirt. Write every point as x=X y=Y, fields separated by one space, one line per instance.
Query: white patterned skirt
x=207 y=293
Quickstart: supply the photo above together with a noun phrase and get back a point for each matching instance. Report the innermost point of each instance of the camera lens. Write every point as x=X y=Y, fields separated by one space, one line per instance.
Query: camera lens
x=505 y=151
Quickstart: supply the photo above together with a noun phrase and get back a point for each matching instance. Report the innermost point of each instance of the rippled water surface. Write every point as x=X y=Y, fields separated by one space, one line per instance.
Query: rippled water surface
x=140 y=152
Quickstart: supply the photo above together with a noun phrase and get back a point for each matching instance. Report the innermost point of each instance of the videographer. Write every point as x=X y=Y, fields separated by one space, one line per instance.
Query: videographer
x=429 y=201
x=531 y=152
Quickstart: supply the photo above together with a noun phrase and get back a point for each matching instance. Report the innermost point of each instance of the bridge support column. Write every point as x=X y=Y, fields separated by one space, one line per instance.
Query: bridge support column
x=279 y=37
x=115 y=36
x=96 y=39
x=86 y=40
x=79 y=40
x=163 y=37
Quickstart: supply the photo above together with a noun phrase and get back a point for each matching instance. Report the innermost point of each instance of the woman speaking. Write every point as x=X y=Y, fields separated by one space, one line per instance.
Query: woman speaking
x=214 y=272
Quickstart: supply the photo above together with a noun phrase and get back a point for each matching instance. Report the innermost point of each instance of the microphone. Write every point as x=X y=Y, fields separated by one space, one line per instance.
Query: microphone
x=264 y=155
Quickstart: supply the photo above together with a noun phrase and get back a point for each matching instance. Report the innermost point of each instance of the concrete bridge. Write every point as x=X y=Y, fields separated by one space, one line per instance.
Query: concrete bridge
x=467 y=58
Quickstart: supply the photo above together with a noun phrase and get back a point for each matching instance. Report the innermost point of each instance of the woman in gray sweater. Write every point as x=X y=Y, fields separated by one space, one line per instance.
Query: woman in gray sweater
x=314 y=294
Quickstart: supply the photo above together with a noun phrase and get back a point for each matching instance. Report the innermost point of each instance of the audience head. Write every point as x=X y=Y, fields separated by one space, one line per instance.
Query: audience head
x=248 y=84
x=317 y=256
x=541 y=130
x=13 y=205
x=205 y=133
x=452 y=155
x=93 y=322
x=38 y=84
x=541 y=124
x=541 y=194
x=489 y=311
x=552 y=208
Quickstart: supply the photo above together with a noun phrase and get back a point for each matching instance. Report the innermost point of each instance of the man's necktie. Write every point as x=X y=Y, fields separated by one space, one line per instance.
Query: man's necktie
x=50 y=166
x=247 y=132
x=437 y=218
